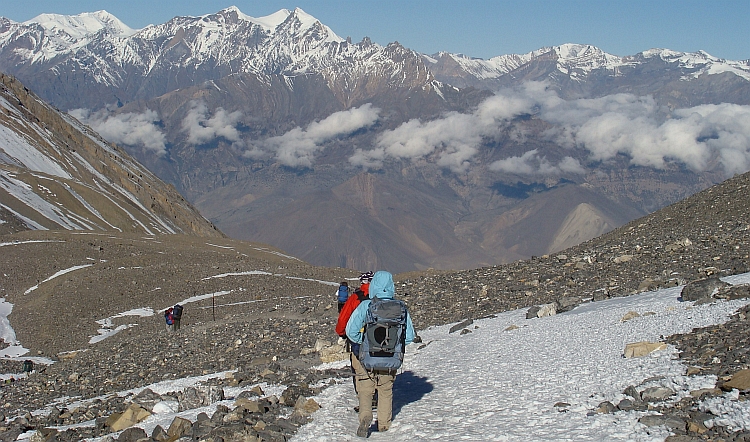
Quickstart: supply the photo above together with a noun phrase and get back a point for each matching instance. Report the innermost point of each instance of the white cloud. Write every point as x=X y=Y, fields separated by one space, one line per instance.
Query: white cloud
x=602 y=128
x=297 y=148
x=530 y=163
x=368 y=159
x=650 y=135
x=202 y=129
x=132 y=129
x=452 y=140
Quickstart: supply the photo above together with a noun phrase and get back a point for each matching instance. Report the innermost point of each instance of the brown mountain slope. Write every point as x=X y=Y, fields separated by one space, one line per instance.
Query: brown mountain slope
x=554 y=220
x=367 y=222
x=375 y=221
x=58 y=174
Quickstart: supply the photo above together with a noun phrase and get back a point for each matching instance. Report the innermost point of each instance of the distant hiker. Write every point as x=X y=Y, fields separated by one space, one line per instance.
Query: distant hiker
x=28 y=366
x=169 y=318
x=352 y=302
x=176 y=316
x=343 y=294
x=345 y=313
x=383 y=327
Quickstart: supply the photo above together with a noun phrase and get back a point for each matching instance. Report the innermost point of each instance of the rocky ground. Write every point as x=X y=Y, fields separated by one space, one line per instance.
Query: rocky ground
x=265 y=326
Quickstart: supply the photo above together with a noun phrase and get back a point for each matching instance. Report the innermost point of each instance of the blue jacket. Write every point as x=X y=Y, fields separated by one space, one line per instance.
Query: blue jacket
x=382 y=287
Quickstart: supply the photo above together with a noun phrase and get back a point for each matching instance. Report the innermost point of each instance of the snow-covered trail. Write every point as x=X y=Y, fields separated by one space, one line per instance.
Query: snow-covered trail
x=501 y=384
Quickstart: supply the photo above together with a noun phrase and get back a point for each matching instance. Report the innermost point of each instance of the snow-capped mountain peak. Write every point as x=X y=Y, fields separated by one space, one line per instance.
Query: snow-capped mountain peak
x=81 y=25
x=700 y=62
x=302 y=23
x=269 y=22
x=570 y=57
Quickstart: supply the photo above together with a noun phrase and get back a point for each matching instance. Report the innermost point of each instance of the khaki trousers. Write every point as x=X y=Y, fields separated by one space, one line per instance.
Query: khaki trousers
x=367 y=383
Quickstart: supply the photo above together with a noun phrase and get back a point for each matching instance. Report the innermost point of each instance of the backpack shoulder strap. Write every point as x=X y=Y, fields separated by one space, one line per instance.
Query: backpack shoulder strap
x=360 y=295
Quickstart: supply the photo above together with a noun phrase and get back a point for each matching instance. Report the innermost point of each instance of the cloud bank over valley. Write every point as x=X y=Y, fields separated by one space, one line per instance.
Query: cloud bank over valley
x=701 y=138
x=649 y=134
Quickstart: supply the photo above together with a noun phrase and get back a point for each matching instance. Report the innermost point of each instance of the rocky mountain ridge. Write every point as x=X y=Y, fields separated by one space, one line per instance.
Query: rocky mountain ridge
x=570 y=66
x=150 y=62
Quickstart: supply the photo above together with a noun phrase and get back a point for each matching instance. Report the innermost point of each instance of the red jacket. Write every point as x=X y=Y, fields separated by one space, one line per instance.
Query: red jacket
x=350 y=305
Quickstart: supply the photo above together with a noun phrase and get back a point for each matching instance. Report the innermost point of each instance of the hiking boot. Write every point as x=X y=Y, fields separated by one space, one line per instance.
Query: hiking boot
x=363 y=429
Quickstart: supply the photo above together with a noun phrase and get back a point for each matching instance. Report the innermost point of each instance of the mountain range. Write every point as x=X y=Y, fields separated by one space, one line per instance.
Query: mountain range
x=365 y=156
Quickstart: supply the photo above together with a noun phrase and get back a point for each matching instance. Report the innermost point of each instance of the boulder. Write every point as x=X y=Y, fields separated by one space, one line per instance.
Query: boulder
x=159 y=434
x=202 y=428
x=633 y=392
x=250 y=405
x=547 y=310
x=701 y=289
x=629 y=315
x=131 y=416
x=132 y=435
x=305 y=407
x=671 y=422
x=740 y=381
x=532 y=312
x=567 y=304
x=626 y=405
x=606 y=407
x=195 y=397
x=179 y=427
x=643 y=348
x=147 y=399
x=656 y=394
x=735 y=292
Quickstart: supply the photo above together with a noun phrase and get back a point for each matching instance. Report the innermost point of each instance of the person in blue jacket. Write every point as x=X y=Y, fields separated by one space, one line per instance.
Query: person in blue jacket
x=342 y=294
x=368 y=382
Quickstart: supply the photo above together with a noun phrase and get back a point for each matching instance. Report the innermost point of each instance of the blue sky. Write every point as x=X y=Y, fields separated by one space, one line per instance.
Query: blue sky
x=476 y=28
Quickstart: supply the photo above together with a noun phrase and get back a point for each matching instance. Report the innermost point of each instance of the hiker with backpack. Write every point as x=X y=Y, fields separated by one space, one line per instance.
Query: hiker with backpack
x=177 y=316
x=343 y=294
x=169 y=318
x=383 y=327
x=352 y=302
x=345 y=313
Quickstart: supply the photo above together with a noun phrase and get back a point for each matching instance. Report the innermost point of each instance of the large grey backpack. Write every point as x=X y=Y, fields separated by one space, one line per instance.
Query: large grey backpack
x=384 y=336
